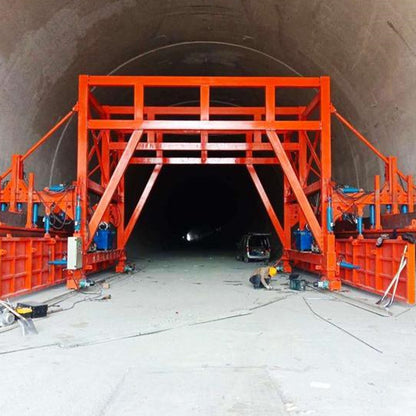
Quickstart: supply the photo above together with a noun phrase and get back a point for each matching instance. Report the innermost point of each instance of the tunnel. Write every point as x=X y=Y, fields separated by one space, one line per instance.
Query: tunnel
x=367 y=48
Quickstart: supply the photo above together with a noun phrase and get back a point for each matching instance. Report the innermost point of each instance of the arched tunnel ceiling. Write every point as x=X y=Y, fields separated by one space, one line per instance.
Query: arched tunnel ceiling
x=367 y=47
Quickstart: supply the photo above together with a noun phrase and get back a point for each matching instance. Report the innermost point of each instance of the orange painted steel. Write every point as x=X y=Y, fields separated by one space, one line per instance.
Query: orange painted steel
x=112 y=137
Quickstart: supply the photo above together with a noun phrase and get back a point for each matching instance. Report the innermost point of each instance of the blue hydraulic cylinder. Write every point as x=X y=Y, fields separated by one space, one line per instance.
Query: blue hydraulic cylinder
x=349 y=190
x=58 y=262
x=3 y=207
x=19 y=206
x=78 y=213
x=47 y=224
x=347 y=265
x=404 y=209
x=35 y=213
x=329 y=215
x=388 y=209
x=360 y=225
x=372 y=215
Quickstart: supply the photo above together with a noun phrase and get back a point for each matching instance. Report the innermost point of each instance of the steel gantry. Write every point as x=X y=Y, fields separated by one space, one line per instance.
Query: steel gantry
x=297 y=138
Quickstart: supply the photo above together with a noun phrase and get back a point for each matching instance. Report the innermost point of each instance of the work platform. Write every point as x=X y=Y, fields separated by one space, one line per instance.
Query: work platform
x=67 y=245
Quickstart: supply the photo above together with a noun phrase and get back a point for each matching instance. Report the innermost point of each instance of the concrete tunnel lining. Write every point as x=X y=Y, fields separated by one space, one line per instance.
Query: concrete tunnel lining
x=366 y=48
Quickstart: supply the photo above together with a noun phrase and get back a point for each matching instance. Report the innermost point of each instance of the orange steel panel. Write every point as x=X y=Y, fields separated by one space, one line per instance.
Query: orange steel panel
x=24 y=264
x=378 y=265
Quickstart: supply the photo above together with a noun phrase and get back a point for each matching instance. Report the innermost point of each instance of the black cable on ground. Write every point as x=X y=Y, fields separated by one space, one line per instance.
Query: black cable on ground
x=340 y=328
x=139 y=334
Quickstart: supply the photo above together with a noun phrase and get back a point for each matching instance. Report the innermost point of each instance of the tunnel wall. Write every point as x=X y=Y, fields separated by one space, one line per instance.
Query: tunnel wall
x=367 y=47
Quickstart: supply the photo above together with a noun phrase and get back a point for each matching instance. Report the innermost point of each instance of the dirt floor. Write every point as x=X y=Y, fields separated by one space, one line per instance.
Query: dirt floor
x=188 y=335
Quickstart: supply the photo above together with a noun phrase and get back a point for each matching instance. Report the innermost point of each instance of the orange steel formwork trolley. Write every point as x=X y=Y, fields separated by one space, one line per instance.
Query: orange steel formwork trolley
x=343 y=222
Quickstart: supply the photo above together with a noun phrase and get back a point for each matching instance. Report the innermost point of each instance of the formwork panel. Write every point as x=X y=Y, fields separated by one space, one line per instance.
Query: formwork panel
x=377 y=266
x=24 y=264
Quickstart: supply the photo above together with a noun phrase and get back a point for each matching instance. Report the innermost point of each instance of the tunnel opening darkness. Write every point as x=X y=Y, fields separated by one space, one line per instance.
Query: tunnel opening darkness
x=195 y=208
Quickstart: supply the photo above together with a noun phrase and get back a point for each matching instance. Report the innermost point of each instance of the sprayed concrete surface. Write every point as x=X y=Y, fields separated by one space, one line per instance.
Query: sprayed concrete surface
x=189 y=336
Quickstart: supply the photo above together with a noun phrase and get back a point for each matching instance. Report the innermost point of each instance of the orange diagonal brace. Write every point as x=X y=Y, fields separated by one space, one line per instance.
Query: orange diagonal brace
x=296 y=187
x=266 y=201
x=113 y=183
x=141 y=203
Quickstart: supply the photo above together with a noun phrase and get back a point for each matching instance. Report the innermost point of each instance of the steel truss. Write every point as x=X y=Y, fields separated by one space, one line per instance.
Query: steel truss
x=298 y=138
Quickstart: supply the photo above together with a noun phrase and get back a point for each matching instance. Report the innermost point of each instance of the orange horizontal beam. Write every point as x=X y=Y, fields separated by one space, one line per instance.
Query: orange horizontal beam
x=208 y=146
x=175 y=81
x=110 y=109
x=207 y=161
x=198 y=125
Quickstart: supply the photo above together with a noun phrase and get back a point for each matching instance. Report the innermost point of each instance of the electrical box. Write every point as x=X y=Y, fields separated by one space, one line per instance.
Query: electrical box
x=74 y=253
x=104 y=239
x=303 y=240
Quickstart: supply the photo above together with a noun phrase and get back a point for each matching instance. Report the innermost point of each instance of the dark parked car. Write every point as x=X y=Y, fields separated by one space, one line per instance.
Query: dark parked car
x=254 y=246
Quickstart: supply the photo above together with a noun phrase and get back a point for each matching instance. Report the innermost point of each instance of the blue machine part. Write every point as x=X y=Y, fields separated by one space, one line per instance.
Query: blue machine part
x=329 y=216
x=47 y=220
x=372 y=215
x=349 y=190
x=388 y=209
x=347 y=265
x=303 y=240
x=57 y=188
x=404 y=209
x=78 y=212
x=3 y=207
x=360 y=225
x=58 y=262
x=35 y=214
x=104 y=239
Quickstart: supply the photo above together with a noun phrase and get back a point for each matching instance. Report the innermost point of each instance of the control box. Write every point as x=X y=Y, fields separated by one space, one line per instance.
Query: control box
x=74 y=253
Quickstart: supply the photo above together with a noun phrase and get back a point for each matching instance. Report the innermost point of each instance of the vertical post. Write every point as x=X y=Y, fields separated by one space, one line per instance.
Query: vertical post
x=204 y=103
x=121 y=219
x=410 y=194
x=392 y=161
x=377 y=202
x=270 y=103
x=82 y=169
x=30 y=190
x=326 y=172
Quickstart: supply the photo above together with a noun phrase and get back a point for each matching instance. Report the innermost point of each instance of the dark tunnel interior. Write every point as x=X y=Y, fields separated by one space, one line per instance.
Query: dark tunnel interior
x=219 y=203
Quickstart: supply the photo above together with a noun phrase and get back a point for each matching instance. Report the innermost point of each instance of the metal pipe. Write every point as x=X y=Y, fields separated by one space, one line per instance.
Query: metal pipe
x=347 y=265
x=47 y=224
x=35 y=214
x=78 y=213
x=360 y=225
x=372 y=215
x=58 y=262
x=329 y=216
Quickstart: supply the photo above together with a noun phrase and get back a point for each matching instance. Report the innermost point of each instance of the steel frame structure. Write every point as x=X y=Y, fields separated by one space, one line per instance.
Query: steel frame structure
x=298 y=138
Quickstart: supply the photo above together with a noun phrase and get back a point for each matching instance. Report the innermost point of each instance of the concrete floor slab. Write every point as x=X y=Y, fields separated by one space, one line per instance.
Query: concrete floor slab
x=189 y=336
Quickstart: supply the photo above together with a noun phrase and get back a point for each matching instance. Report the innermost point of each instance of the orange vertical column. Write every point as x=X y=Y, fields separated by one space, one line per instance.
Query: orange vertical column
x=82 y=173
x=326 y=172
